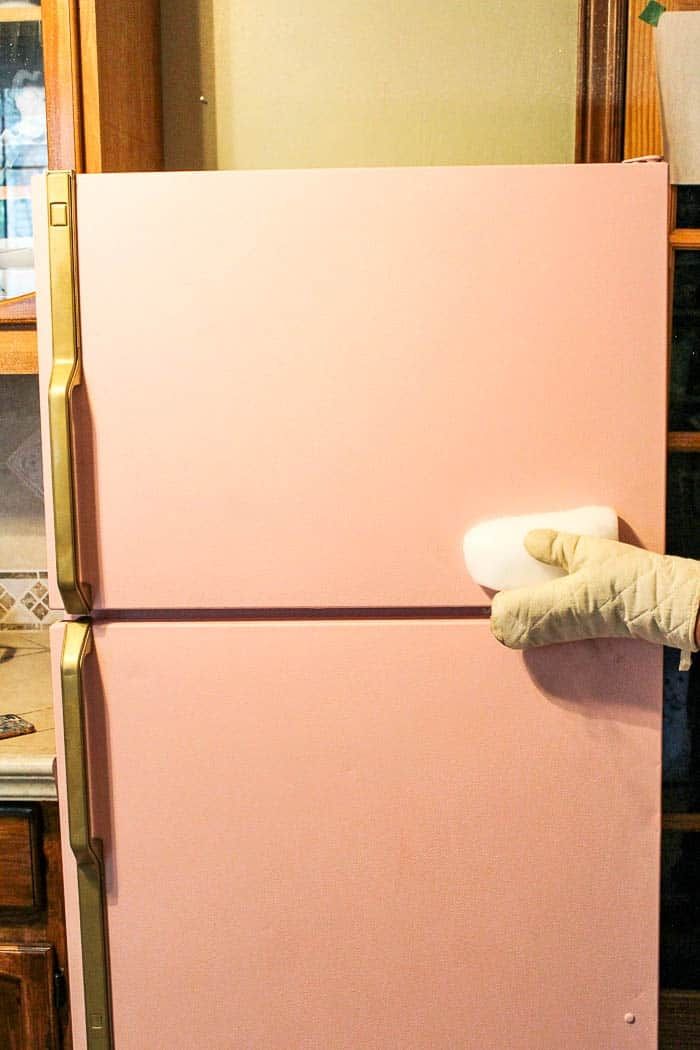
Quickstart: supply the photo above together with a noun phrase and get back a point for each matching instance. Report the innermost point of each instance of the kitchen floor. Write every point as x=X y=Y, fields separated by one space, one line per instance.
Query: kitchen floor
x=25 y=689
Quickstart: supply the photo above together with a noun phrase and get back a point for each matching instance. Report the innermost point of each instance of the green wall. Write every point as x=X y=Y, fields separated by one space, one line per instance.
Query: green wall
x=301 y=83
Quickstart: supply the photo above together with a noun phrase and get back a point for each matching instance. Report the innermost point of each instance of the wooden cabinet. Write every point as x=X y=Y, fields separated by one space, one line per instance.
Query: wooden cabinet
x=33 y=972
x=28 y=1008
x=97 y=65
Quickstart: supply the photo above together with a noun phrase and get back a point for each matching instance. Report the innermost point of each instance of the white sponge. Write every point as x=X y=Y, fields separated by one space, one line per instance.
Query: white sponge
x=495 y=553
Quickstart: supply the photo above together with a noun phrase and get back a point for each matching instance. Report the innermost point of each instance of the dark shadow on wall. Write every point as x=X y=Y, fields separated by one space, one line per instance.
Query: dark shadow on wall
x=188 y=81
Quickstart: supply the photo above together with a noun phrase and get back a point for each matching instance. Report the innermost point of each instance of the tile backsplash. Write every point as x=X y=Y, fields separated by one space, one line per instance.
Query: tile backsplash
x=23 y=591
x=24 y=600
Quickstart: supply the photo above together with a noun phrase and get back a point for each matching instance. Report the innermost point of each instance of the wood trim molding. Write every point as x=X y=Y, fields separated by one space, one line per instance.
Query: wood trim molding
x=643 y=133
x=684 y=441
x=685 y=239
x=62 y=78
x=120 y=77
x=600 y=94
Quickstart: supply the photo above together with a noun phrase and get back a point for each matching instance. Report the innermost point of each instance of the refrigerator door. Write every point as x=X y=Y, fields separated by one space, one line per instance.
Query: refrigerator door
x=300 y=388
x=332 y=835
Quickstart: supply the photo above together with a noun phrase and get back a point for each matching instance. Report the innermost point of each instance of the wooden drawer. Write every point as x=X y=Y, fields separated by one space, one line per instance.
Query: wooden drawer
x=21 y=866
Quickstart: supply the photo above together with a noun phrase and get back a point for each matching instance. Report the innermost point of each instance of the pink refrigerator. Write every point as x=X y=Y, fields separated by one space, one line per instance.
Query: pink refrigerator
x=308 y=802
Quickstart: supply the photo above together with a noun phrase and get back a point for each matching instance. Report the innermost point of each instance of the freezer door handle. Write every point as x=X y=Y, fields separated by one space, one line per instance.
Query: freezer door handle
x=77 y=644
x=66 y=374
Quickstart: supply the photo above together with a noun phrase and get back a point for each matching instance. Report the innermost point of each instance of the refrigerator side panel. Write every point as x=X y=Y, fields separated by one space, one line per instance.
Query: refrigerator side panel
x=334 y=835
x=43 y=330
x=70 y=879
x=301 y=388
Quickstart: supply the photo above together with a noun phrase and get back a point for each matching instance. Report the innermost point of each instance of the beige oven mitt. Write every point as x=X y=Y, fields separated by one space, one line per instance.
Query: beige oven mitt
x=611 y=590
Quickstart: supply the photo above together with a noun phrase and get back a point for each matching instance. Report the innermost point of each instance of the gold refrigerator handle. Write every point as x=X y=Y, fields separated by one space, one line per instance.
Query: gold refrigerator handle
x=77 y=643
x=66 y=374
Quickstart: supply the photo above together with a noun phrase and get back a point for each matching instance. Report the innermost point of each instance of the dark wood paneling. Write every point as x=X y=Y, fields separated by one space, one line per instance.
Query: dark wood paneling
x=46 y=926
x=679 y=1020
x=600 y=106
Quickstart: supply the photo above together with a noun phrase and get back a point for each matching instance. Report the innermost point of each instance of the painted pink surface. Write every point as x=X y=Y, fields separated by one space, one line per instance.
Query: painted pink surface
x=334 y=835
x=302 y=387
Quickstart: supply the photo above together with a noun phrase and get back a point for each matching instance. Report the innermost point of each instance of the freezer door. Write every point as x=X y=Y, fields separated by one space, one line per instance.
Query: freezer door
x=333 y=835
x=299 y=388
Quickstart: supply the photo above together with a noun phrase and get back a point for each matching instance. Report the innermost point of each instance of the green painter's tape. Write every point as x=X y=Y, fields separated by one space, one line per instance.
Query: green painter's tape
x=652 y=13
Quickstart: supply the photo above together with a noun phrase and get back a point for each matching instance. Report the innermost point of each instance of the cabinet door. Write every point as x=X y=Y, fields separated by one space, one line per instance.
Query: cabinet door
x=301 y=388
x=22 y=890
x=27 y=1011
x=355 y=834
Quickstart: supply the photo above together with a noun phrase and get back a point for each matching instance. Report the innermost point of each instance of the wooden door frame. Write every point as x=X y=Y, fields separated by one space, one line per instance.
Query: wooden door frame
x=59 y=29
x=601 y=78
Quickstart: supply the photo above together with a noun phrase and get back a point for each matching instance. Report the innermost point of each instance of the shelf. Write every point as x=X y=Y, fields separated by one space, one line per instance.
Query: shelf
x=684 y=441
x=685 y=239
x=681 y=822
x=18 y=352
x=18 y=311
x=20 y=13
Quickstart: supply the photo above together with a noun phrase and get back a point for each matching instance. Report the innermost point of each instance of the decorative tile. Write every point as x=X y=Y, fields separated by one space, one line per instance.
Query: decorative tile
x=24 y=600
x=17 y=583
x=22 y=532
x=25 y=463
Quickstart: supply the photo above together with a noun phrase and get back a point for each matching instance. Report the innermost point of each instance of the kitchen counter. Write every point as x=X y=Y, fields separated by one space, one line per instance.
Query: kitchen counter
x=27 y=762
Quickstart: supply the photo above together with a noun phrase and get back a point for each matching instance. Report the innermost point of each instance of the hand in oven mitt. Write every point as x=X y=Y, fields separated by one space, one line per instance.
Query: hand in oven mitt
x=611 y=590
